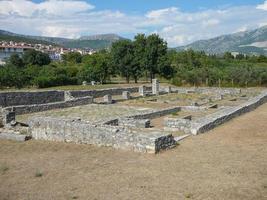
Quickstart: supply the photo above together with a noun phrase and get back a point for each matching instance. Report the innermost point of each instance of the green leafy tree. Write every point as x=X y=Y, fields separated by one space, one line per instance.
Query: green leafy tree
x=139 y=60
x=15 y=60
x=96 y=67
x=156 y=49
x=122 y=54
x=33 y=57
x=228 y=56
x=72 y=57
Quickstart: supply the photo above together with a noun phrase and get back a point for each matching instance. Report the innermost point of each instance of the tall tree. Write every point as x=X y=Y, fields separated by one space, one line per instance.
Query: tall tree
x=122 y=56
x=72 y=57
x=156 y=50
x=33 y=57
x=97 y=67
x=16 y=61
x=139 y=62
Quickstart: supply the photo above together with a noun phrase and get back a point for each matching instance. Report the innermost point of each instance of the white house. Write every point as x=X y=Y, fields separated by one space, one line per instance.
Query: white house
x=6 y=51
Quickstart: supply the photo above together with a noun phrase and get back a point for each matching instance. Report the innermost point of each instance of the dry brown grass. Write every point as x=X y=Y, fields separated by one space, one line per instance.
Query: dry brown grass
x=229 y=162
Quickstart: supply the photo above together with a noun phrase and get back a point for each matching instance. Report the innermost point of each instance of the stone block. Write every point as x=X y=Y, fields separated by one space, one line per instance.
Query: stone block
x=136 y=123
x=8 y=117
x=126 y=95
x=155 y=86
x=68 y=96
x=142 y=90
x=168 y=89
x=107 y=99
x=14 y=137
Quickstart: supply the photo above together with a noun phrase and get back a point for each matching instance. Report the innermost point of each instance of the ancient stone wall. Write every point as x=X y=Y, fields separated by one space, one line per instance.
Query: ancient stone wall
x=103 y=92
x=213 y=120
x=156 y=113
x=66 y=130
x=24 y=109
x=28 y=98
x=206 y=90
x=209 y=122
x=177 y=124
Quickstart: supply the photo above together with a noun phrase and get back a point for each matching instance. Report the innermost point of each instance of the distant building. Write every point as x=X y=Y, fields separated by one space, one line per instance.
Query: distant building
x=6 y=51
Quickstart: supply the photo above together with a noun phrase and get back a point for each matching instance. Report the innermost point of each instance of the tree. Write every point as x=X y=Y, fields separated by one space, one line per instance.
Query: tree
x=240 y=56
x=33 y=57
x=122 y=54
x=139 y=62
x=156 y=49
x=72 y=57
x=16 y=61
x=228 y=56
x=96 y=67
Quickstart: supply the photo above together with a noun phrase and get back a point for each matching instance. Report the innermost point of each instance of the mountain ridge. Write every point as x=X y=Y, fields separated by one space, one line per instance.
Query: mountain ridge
x=99 y=41
x=247 y=42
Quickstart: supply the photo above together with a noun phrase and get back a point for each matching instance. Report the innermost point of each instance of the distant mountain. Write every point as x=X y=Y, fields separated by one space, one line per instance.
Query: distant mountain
x=8 y=36
x=247 y=42
x=96 y=42
x=105 y=37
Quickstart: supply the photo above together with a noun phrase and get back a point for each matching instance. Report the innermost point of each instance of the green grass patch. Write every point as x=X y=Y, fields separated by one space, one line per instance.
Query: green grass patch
x=38 y=173
x=4 y=168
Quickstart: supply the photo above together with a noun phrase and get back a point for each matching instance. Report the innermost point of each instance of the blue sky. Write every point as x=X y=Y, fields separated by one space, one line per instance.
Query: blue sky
x=142 y=6
x=179 y=22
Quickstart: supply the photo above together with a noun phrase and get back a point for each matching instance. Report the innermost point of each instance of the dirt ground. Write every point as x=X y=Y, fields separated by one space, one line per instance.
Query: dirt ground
x=229 y=162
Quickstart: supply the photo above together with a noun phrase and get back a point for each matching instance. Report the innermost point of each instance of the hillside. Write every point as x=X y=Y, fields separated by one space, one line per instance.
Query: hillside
x=8 y=36
x=248 y=42
x=96 y=42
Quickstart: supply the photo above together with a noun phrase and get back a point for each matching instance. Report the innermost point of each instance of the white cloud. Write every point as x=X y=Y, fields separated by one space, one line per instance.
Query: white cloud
x=185 y=27
x=211 y=22
x=72 y=18
x=263 y=6
x=26 y=8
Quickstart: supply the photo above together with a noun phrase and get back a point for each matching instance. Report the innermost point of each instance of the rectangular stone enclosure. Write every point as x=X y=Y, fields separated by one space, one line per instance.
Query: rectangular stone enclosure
x=76 y=131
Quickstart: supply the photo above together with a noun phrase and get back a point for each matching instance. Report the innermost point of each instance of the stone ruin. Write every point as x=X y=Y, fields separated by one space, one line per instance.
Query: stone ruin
x=129 y=130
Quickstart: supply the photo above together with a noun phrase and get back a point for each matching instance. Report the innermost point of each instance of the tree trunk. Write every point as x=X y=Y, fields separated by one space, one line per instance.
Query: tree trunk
x=128 y=79
x=135 y=79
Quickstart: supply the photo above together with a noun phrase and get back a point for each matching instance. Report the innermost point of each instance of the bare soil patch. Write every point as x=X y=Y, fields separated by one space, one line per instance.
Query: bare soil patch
x=226 y=163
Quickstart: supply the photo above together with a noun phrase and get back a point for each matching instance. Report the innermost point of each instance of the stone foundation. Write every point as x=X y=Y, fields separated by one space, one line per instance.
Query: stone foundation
x=211 y=121
x=103 y=92
x=19 y=110
x=65 y=130
x=28 y=98
x=6 y=117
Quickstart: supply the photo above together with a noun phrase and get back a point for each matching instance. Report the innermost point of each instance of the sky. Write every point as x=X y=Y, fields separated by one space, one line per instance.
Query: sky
x=179 y=22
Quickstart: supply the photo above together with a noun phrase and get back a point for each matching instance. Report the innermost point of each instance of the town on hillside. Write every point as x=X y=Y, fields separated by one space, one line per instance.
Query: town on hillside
x=7 y=48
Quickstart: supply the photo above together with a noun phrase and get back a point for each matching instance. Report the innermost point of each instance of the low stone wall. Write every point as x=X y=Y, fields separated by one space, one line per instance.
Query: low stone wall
x=19 y=110
x=207 y=90
x=134 y=123
x=66 y=130
x=28 y=98
x=211 y=121
x=103 y=92
x=156 y=114
x=177 y=124
x=15 y=137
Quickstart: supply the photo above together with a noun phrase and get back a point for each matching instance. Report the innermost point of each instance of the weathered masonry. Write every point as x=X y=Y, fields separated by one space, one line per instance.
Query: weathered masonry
x=29 y=102
x=66 y=130
x=29 y=98
x=206 y=123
